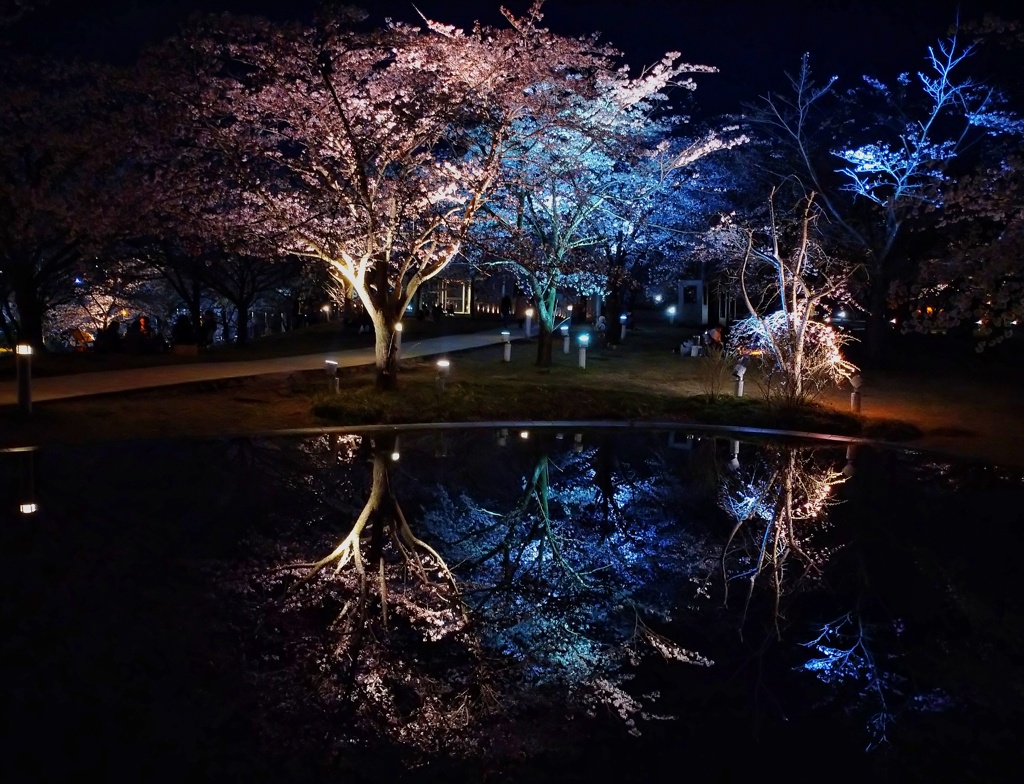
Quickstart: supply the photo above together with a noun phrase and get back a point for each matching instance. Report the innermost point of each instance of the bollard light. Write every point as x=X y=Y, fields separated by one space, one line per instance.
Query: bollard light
x=622 y=327
x=528 y=323
x=331 y=367
x=584 y=342
x=856 y=382
x=23 y=363
x=443 y=368
x=734 y=455
x=27 y=502
x=398 y=340
x=671 y=311
x=738 y=373
x=395 y=454
x=565 y=338
x=507 y=337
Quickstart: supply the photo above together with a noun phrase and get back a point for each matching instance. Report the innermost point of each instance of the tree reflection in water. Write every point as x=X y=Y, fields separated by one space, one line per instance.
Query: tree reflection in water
x=565 y=585
x=498 y=602
x=779 y=507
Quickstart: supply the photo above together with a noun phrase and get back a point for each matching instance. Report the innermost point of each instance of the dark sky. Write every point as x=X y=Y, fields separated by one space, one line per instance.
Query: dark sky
x=752 y=43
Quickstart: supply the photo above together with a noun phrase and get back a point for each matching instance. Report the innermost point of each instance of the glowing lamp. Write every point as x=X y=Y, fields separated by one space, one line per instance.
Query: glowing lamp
x=398 y=327
x=524 y=434
x=23 y=349
x=585 y=339
x=331 y=367
x=565 y=330
x=506 y=335
x=28 y=508
x=443 y=366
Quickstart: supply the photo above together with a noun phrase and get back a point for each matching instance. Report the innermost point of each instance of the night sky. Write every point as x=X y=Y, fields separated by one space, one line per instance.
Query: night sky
x=752 y=43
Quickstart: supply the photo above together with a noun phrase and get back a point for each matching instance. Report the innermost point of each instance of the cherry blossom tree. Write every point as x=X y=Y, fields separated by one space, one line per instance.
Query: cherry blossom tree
x=366 y=152
x=55 y=158
x=580 y=191
x=974 y=279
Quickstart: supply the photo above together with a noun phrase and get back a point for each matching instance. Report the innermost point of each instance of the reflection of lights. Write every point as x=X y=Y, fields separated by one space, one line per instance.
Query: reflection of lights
x=28 y=508
x=565 y=330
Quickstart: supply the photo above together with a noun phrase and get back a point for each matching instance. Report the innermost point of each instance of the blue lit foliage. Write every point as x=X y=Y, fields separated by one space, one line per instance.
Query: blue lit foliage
x=896 y=144
x=584 y=180
x=904 y=169
x=845 y=657
x=570 y=580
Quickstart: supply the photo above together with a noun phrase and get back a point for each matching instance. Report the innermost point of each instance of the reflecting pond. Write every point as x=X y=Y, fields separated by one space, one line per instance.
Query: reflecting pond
x=508 y=605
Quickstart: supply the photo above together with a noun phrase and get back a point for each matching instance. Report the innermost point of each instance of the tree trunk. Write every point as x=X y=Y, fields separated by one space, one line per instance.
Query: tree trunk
x=242 y=337
x=875 y=329
x=385 y=350
x=30 y=315
x=544 y=342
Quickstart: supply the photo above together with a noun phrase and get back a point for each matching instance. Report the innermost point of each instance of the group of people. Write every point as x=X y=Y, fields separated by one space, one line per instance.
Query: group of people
x=140 y=337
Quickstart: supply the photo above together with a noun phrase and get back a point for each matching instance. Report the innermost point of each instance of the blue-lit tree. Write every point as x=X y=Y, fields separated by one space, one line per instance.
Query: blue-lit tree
x=583 y=185
x=877 y=156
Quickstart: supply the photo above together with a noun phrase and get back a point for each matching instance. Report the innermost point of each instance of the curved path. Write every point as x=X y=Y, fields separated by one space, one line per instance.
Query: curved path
x=106 y=382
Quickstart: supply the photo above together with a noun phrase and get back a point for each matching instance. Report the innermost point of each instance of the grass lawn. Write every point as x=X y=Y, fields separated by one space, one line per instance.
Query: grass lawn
x=641 y=380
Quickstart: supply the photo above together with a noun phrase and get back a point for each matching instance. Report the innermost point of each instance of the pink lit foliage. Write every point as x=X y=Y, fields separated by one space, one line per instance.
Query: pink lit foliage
x=56 y=159
x=976 y=280
x=372 y=153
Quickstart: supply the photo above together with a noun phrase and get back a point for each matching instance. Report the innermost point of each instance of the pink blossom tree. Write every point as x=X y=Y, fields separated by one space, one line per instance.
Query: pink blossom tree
x=370 y=153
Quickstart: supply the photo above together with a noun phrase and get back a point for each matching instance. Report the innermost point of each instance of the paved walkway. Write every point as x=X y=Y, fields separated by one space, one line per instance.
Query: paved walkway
x=86 y=384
